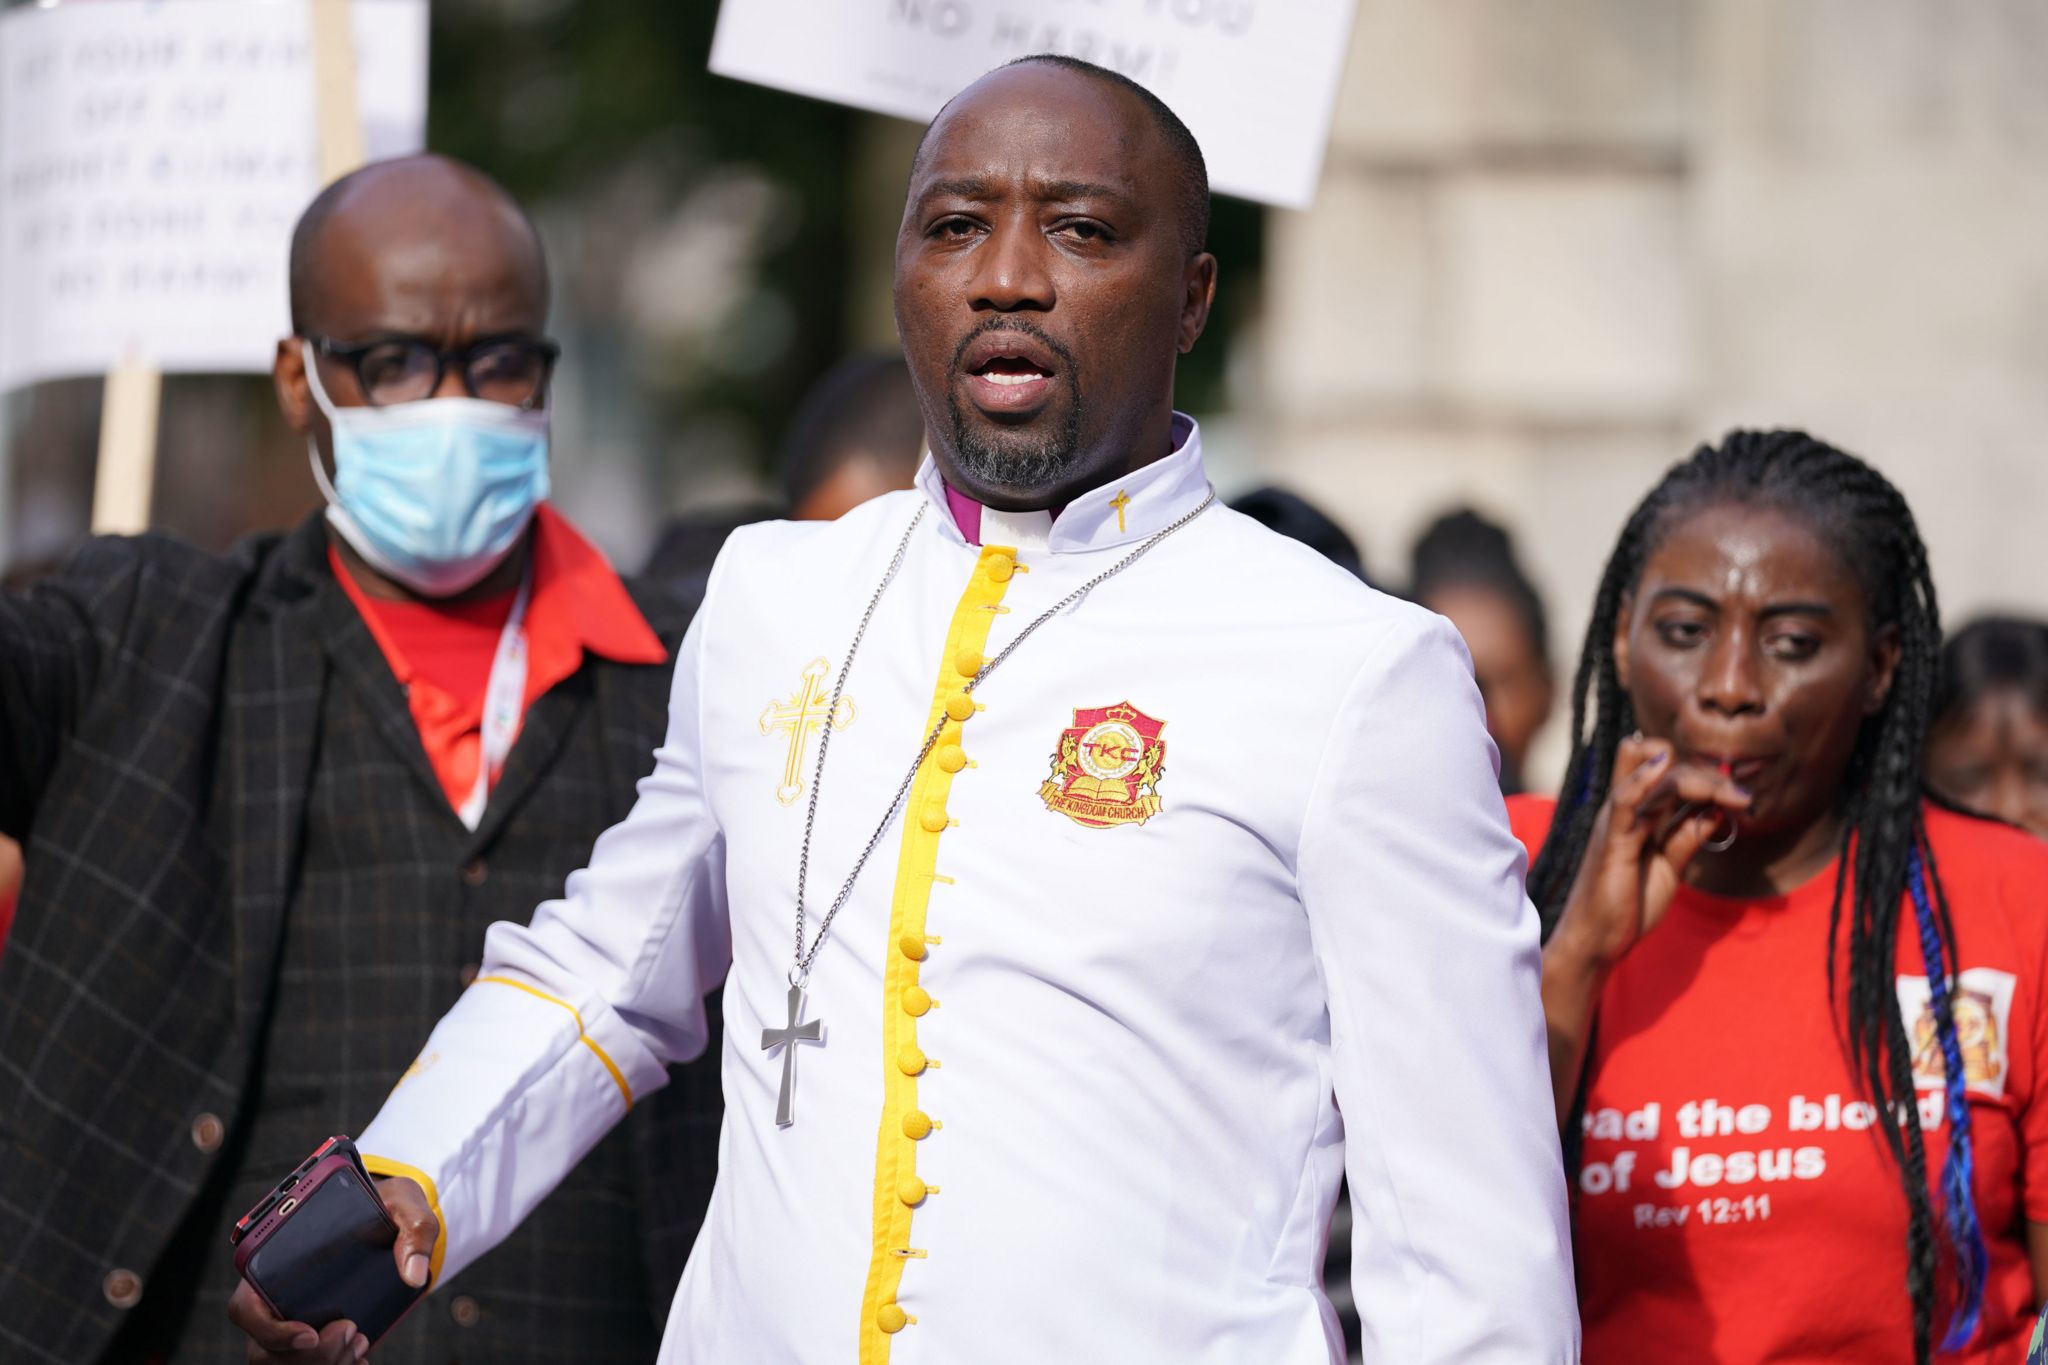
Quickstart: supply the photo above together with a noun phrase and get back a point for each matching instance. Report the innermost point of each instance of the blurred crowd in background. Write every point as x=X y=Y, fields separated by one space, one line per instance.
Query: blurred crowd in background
x=1558 y=245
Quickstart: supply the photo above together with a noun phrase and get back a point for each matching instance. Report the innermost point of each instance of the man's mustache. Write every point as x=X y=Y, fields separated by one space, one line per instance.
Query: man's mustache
x=1015 y=324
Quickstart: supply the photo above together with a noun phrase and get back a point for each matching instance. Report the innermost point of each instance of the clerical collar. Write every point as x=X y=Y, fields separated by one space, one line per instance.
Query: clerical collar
x=1117 y=513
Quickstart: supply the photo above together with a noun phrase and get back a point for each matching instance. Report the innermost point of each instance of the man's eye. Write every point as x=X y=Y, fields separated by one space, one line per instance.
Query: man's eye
x=953 y=227
x=1086 y=231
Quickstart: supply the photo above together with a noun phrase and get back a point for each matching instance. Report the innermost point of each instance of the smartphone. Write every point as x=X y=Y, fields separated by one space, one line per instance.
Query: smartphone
x=318 y=1247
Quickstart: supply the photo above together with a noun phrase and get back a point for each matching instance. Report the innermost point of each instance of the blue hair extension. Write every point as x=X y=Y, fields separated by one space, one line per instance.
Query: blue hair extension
x=1958 y=1194
x=1582 y=790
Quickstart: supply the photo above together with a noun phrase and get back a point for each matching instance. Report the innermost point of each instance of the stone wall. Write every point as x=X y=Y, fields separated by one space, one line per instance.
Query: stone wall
x=1560 y=241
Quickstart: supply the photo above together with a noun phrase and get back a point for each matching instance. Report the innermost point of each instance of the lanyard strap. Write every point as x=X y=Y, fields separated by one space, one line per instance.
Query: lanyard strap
x=504 y=704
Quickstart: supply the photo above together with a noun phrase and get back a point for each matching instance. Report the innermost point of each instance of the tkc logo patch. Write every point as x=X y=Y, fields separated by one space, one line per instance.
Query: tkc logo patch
x=1106 y=767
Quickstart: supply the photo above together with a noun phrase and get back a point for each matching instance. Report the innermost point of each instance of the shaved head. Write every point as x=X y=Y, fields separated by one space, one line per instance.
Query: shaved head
x=418 y=250
x=1048 y=277
x=1190 y=168
x=400 y=205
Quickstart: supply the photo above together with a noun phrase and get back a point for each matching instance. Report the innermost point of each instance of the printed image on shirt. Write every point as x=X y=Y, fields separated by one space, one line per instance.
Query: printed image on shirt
x=1983 y=1009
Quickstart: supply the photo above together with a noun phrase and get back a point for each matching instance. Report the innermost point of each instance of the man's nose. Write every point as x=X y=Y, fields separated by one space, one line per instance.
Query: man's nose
x=452 y=384
x=1012 y=271
x=1730 y=684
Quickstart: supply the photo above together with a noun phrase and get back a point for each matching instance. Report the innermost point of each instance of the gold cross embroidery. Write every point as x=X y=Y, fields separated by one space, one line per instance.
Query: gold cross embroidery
x=799 y=717
x=1120 y=502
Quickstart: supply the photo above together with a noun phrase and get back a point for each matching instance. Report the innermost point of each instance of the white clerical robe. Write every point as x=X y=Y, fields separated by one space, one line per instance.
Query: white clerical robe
x=1205 y=898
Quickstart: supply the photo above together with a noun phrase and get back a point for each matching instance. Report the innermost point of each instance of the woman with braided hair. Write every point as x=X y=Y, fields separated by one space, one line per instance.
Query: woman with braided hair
x=1796 y=1009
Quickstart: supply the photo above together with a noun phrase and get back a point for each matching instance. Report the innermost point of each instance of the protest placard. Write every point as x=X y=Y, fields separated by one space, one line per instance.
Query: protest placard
x=1255 y=80
x=153 y=157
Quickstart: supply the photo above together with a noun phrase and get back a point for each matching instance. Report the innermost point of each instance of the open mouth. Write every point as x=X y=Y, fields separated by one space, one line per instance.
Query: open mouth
x=1009 y=373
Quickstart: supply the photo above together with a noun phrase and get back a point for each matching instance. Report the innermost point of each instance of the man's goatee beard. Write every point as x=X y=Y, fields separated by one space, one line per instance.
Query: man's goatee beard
x=1019 y=460
x=1002 y=458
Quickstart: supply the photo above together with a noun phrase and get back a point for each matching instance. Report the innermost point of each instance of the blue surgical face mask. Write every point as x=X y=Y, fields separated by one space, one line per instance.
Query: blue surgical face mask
x=436 y=493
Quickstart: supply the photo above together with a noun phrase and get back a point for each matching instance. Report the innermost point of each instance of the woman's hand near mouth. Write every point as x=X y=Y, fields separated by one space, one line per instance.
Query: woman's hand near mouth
x=1635 y=862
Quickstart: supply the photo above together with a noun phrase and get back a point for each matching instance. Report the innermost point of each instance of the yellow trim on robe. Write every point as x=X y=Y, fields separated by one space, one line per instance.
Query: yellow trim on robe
x=896 y=1177
x=377 y=1165
x=618 y=1076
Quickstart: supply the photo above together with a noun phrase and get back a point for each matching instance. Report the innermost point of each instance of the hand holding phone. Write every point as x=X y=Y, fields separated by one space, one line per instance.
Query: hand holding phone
x=331 y=1259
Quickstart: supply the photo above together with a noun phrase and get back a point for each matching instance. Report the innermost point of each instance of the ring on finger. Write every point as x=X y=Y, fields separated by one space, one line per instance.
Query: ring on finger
x=1723 y=838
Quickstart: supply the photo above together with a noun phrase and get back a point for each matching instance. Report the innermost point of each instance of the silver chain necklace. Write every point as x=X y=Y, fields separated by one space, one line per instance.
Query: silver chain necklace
x=800 y=971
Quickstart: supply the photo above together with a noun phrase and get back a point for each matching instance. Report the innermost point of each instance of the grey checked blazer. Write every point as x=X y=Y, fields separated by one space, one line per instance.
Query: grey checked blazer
x=159 y=721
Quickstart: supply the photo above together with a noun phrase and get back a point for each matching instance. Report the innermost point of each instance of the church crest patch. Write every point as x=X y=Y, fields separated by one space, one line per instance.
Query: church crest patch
x=1106 y=767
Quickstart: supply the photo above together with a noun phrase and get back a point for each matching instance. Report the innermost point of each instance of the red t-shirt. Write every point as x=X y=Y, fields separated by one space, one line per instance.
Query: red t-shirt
x=442 y=653
x=1734 y=1201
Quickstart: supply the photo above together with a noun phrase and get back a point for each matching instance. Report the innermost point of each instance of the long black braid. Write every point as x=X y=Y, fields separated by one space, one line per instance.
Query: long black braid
x=1858 y=513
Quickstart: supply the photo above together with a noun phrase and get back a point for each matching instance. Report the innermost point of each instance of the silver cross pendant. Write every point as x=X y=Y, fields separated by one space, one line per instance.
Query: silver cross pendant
x=787 y=1039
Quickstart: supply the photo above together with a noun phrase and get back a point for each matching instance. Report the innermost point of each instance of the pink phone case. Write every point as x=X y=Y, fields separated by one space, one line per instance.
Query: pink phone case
x=286 y=1205
x=337 y=1157
x=248 y=1222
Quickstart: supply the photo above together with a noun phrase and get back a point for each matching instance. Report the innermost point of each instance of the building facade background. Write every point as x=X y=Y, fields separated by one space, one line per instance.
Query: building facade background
x=1559 y=242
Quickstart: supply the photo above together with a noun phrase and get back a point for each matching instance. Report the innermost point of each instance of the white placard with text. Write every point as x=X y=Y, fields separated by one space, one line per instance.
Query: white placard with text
x=154 y=155
x=1254 y=80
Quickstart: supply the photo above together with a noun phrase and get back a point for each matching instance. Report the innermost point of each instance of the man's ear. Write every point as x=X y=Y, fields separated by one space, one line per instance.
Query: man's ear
x=288 y=377
x=1197 y=297
x=1884 y=666
x=1622 y=615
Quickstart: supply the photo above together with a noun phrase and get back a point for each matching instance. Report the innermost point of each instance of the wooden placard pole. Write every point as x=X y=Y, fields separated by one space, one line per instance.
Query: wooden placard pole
x=124 y=479
x=338 y=121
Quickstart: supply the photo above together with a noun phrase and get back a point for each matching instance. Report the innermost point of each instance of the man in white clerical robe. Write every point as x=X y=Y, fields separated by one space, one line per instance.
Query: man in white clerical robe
x=1202 y=898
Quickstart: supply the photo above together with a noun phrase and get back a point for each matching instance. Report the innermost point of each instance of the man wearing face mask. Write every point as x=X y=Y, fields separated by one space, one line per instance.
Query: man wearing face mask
x=272 y=800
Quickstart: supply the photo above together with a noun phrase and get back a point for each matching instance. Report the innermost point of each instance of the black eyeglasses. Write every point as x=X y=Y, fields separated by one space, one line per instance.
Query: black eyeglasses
x=511 y=370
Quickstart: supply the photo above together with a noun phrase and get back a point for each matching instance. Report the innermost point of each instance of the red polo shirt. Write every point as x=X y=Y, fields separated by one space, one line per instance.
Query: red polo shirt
x=441 y=653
